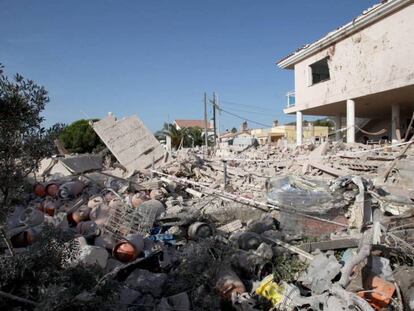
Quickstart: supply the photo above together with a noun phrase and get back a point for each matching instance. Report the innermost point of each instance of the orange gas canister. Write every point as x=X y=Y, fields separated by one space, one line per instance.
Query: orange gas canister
x=379 y=292
x=39 y=190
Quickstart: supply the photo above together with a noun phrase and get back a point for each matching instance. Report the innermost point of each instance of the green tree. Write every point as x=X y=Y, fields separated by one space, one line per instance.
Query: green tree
x=170 y=130
x=193 y=136
x=55 y=130
x=53 y=133
x=323 y=122
x=319 y=122
x=187 y=137
x=79 y=137
x=23 y=141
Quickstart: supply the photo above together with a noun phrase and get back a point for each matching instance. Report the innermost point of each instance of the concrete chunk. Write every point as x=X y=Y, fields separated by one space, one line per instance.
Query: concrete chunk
x=91 y=255
x=134 y=146
x=82 y=163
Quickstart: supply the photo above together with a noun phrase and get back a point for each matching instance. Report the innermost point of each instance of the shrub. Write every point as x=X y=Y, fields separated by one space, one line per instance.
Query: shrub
x=79 y=137
x=43 y=275
x=23 y=141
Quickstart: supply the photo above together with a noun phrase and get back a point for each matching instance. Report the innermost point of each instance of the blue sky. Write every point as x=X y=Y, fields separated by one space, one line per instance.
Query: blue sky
x=156 y=58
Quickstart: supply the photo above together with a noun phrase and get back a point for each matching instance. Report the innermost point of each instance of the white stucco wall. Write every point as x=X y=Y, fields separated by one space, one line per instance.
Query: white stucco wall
x=376 y=59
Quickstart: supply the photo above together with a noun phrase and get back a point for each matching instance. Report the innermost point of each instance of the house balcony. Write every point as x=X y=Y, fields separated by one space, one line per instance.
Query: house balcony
x=290 y=99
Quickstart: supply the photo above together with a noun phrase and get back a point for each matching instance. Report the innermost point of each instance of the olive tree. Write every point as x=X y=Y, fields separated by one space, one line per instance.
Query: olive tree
x=23 y=140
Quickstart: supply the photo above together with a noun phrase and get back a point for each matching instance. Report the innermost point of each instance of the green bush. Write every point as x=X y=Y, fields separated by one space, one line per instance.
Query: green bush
x=23 y=141
x=80 y=137
x=43 y=274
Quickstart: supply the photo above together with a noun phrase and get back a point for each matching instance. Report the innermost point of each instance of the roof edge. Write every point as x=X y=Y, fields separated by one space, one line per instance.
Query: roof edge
x=355 y=25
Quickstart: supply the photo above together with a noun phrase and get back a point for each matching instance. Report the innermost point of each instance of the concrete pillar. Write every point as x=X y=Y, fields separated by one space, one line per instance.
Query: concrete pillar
x=350 y=121
x=299 y=128
x=168 y=143
x=337 y=124
x=395 y=121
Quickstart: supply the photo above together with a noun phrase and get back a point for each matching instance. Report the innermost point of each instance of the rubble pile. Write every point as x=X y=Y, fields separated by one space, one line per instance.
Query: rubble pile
x=326 y=227
x=327 y=159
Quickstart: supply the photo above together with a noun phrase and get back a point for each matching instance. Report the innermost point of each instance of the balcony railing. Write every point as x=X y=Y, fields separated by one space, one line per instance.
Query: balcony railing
x=290 y=96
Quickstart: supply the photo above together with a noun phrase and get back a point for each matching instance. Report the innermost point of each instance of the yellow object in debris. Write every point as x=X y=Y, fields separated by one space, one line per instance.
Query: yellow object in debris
x=270 y=290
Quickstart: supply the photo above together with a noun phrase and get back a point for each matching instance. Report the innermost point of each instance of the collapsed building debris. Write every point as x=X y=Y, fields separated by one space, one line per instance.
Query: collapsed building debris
x=130 y=141
x=301 y=228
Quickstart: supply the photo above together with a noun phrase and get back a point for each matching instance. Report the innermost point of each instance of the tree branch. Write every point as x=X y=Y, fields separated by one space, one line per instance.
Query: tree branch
x=19 y=299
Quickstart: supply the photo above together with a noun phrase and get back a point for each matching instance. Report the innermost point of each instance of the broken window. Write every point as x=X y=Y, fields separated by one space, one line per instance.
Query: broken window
x=320 y=71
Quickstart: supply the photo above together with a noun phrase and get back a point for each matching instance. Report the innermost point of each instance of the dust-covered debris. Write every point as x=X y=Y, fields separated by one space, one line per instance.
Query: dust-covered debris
x=305 y=227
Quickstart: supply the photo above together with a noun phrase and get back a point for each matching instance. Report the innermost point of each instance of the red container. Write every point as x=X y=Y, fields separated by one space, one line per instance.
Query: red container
x=39 y=190
x=379 y=292
x=128 y=250
x=49 y=208
x=125 y=252
x=78 y=216
x=23 y=239
x=228 y=283
x=52 y=189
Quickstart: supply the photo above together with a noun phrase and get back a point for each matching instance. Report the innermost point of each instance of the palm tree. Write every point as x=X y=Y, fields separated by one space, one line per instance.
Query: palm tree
x=194 y=136
x=170 y=130
x=186 y=137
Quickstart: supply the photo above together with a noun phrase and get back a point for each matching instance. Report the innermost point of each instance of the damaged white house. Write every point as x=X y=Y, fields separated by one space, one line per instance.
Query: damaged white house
x=364 y=69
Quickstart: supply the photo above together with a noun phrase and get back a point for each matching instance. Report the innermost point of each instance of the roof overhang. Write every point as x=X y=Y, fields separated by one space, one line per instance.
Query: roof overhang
x=369 y=17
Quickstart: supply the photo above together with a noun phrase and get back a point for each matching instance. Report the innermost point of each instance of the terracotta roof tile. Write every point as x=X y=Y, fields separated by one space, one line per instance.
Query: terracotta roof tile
x=191 y=123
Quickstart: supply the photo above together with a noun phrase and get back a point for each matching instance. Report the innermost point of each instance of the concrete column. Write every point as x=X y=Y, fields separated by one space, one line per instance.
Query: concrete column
x=337 y=124
x=350 y=121
x=395 y=121
x=299 y=128
x=168 y=143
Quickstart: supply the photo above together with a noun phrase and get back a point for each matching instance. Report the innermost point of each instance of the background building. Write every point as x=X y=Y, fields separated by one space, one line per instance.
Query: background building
x=363 y=69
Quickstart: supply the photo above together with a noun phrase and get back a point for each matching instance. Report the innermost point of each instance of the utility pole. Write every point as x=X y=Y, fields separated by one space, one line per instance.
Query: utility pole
x=214 y=119
x=205 y=126
x=218 y=119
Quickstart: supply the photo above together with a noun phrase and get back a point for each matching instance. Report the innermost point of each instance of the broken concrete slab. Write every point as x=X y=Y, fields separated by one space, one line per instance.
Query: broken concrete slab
x=134 y=146
x=82 y=163
x=91 y=255
x=322 y=270
x=52 y=167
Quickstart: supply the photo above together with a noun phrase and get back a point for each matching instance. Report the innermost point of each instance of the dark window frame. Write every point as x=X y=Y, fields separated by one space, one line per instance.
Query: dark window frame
x=319 y=71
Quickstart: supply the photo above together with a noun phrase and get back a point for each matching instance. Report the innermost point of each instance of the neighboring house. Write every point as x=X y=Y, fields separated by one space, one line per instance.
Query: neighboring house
x=288 y=132
x=363 y=69
x=181 y=124
x=228 y=137
x=240 y=136
x=244 y=141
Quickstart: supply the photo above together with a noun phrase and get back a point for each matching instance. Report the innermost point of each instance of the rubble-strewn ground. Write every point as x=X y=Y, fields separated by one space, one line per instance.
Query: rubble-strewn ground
x=325 y=227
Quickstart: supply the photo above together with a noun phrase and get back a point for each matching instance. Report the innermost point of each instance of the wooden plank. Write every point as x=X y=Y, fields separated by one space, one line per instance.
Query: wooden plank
x=292 y=248
x=330 y=245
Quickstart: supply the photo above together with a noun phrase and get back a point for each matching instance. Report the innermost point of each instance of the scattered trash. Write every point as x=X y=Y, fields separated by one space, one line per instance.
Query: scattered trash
x=301 y=228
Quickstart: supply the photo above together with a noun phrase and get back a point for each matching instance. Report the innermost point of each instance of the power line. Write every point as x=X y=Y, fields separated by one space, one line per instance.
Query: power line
x=242 y=118
x=250 y=106
x=248 y=111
